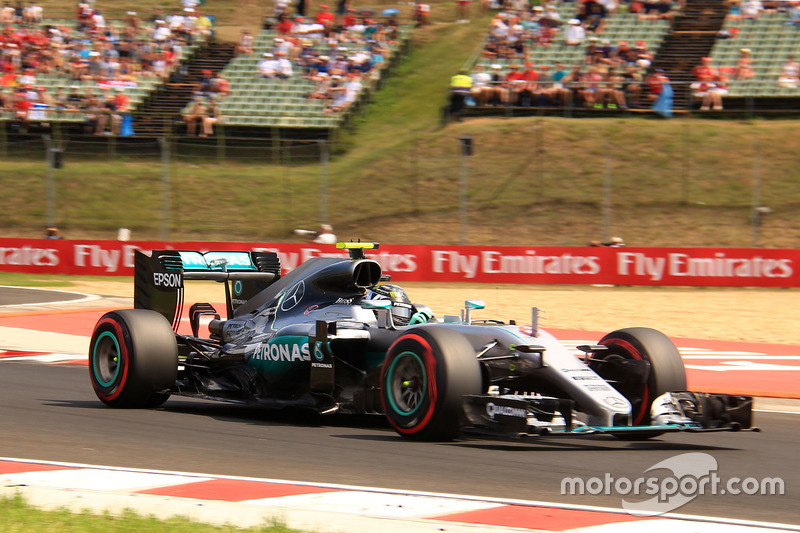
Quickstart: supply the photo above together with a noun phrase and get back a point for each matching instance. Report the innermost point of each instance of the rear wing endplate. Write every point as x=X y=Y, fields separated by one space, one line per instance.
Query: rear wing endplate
x=159 y=276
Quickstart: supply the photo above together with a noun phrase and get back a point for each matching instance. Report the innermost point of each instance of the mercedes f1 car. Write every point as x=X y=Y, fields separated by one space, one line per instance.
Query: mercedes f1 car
x=332 y=336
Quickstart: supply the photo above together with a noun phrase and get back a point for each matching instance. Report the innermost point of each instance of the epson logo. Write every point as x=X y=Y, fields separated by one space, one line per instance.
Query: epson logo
x=492 y=410
x=172 y=280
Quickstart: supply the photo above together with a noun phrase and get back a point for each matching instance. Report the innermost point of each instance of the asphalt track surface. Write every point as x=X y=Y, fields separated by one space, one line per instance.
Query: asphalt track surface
x=50 y=412
x=24 y=296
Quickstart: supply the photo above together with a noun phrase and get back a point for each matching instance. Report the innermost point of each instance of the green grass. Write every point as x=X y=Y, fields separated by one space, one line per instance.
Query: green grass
x=395 y=175
x=16 y=516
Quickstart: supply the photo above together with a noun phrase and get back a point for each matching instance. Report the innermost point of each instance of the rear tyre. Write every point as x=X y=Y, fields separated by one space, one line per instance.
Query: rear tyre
x=426 y=373
x=133 y=358
x=666 y=373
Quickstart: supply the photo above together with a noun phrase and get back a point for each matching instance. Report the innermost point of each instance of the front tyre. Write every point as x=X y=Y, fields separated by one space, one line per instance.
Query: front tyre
x=426 y=373
x=133 y=358
x=666 y=372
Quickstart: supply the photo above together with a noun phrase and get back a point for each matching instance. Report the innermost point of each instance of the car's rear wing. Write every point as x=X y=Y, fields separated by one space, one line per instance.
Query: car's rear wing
x=159 y=277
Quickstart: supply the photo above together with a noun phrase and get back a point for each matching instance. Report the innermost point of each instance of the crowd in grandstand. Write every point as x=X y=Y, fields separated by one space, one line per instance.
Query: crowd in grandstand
x=610 y=74
x=97 y=59
x=336 y=51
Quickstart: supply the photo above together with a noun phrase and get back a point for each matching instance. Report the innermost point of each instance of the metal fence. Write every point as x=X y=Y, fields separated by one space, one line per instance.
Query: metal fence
x=725 y=183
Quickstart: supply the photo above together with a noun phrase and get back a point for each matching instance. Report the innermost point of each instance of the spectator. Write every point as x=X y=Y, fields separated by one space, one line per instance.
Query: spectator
x=194 y=115
x=632 y=84
x=512 y=86
x=325 y=235
x=211 y=117
x=575 y=33
x=284 y=66
x=246 y=43
x=422 y=13
x=351 y=91
x=481 y=89
x=52 y=233
x=663 y=103
x=789 y=76
x=744 y=65
x=460 y=88
x=268 y=67
x=22 y=108
x=752 y=9
x=705 y=86
x=462 y=10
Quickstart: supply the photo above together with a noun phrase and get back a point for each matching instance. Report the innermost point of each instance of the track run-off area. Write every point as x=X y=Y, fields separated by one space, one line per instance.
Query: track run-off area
x=217 y=461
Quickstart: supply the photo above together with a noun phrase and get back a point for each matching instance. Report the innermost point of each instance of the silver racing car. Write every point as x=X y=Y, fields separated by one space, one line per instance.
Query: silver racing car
x=334 y=336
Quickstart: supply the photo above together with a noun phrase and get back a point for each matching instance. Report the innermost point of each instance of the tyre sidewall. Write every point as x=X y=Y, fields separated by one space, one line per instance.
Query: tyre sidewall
x=111 y=325
x=419 y=345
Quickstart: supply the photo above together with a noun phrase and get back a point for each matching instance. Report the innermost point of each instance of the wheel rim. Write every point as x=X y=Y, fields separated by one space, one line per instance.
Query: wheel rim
x=638 y=395
x=105 y=357
x=408 y=383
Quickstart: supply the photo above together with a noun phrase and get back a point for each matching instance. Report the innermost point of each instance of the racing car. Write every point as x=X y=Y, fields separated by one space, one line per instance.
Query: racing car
x=334 y=336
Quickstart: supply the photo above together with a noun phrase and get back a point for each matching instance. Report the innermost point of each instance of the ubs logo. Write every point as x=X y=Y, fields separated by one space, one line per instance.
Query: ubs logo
x=293 y=296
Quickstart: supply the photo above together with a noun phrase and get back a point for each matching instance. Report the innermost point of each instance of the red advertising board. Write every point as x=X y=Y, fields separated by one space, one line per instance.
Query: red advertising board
x=731 y=267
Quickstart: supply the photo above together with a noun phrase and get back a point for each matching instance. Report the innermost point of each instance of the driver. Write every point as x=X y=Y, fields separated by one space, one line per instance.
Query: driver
x=403 y=312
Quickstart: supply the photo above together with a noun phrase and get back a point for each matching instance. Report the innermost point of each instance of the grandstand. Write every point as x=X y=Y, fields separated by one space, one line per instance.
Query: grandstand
x=700 y=29
x=274 y=107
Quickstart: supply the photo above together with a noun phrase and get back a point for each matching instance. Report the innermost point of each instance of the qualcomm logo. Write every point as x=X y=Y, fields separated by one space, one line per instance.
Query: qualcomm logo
x=293 y=296
x=492 y=410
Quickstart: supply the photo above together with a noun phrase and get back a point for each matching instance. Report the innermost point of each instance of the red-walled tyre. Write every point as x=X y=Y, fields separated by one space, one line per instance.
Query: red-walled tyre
x=666 y=374
x=133 y=358
x=426 y=373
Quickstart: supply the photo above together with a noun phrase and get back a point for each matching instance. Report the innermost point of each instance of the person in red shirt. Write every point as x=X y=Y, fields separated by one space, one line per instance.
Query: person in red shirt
x=22 y=108
x=285 y=24
x=325 y=17
x=512 y=86
x=530 y=89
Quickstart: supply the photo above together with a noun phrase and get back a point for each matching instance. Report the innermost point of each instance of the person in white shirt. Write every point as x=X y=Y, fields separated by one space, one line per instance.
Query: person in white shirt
x=575 y=33
x=284 y=66
x=325 y=235
x=268 y=67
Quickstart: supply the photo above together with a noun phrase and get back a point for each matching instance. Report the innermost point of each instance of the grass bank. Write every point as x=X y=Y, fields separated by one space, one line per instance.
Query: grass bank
x=397 y=176
x=16 y=516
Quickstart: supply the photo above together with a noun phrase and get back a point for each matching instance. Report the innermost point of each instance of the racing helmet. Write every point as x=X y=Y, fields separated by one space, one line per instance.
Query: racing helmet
x=401 y=305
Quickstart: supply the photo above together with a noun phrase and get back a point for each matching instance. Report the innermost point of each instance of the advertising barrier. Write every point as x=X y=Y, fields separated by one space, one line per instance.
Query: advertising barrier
x=582 y=265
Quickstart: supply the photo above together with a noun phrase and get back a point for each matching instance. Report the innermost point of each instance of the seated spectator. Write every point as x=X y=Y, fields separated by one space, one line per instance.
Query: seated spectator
x=705 y=86
x=744 y=65
x=322 y=88
x=594 y=88
x=575 y=33
x=194 y=115
x=752 y=9
x=268 y=67
x=573 y=86
x=246 y=43
x=22 y=108
x=284 y=66
x=595 y=18
x=632 y=84
x=789 y=76
x=512 y=86
x=211 y=117
x=7 y=14
x=221 y=87
x=734 y=10
x=32 y=14
x=481 y=89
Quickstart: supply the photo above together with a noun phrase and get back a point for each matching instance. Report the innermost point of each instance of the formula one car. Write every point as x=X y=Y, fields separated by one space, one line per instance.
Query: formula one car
x=332 y=336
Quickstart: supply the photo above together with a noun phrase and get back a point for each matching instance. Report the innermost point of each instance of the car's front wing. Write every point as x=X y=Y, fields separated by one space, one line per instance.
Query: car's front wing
x=524 y=416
